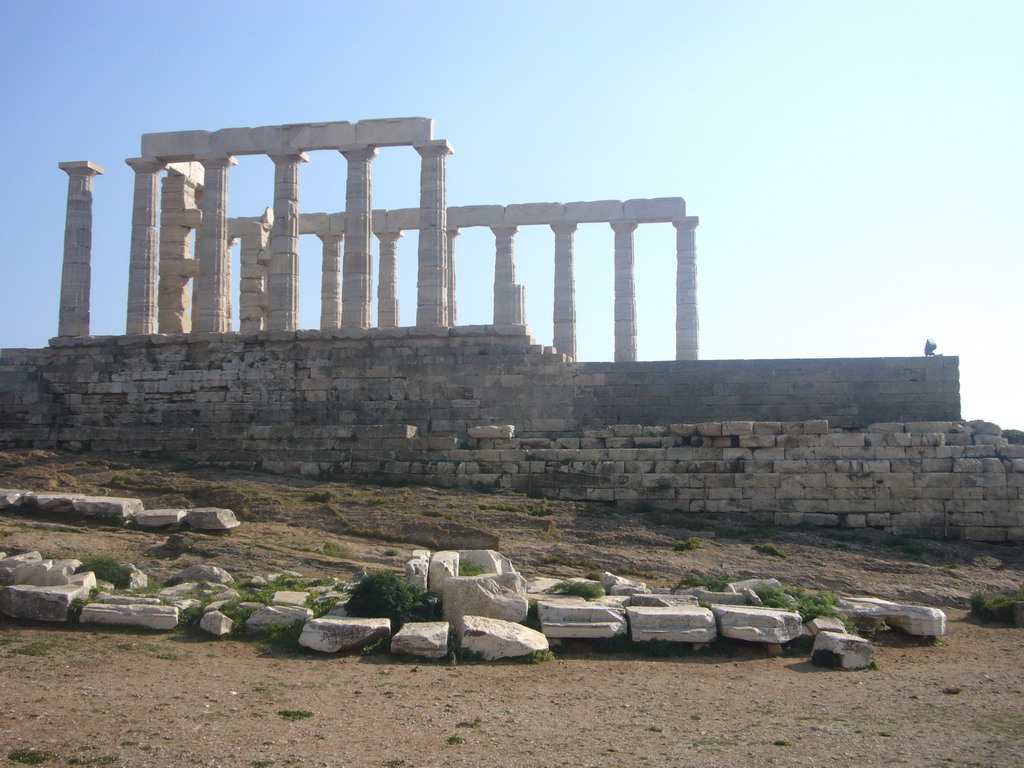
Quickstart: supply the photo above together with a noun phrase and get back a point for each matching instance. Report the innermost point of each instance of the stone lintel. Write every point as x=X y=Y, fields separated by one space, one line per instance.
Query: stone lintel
x=81 y=167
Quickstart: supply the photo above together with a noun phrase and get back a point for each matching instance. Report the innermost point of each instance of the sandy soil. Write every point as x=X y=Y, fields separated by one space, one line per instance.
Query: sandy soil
x=141 y=699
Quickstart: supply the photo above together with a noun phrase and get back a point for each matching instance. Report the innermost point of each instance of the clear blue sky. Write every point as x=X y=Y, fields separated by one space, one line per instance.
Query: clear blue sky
x=857 y=167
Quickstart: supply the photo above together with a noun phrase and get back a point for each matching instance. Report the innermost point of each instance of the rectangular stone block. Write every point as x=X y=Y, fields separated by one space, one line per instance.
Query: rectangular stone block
x=309 y=136
x=596 y=211
x=392 y=132
x=176 y=145
x=656 y=209
x=534 y=213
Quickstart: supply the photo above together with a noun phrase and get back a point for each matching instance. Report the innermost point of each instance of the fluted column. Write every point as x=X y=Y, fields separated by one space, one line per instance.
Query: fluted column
x=431 y=280
x=330 y=282
x=387 y=287
x=254 y=259
x=508 y=305
x=76 y=273
x=283 y=272
x=453 y=317
x=213 y=285
x=144 y=253
x=564 y=315
x=178 y=218
x=625 y=292
x=357 y=277
x=687 y=323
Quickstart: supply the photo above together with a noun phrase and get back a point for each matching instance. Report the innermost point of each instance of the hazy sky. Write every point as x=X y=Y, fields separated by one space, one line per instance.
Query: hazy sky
x=857 y=167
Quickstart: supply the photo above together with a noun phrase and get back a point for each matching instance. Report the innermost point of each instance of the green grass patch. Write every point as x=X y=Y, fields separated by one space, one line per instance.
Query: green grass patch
x=107 y=568
x=709 y=582
x=685 y=545
x=995 y=607
x=585 y=589
x=30 y=756
x=294 y=714
x=470 y=569
x=332 y=549
x=768 y=548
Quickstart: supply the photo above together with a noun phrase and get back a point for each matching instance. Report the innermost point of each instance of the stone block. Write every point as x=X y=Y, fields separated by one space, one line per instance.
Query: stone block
x=476 y=216
x=648 y=600
x=331 y=635
x=577 y=618
x=163 y=617
x=428 y=639
x=416 y=570
x=216 y=623
x=276 y=615
x=496 y=639
x=287 y=597
x=839 y=650
x=159 y=518
x=534 y=213
x=39 y=603
x=918 y=620
x=201 y=572
x=211 y=519
x=493 y=432
x=107 y=507
x=176 y=145
x=656 y=209
x=759 y=625
x=10 y=498
x=53 y=503
x=825 y=624
x=310 y=136
x=392 y=132
x=490 y=596
x=442 y=565
x=676 y=624
x=594 y=211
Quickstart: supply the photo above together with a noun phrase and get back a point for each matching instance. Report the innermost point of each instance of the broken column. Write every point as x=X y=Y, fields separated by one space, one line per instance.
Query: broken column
x=213 y=284
x=387 y=288
x=283 y=269
x=76 y=273
x=625 y=292
x=357 y=277
x=179 y=216
x=509 y=304
x=144 y=253
x=453 y=318
x=330 y=281
x=431 y=278
x=254 y=258
x=564 y=315
x=687 y=325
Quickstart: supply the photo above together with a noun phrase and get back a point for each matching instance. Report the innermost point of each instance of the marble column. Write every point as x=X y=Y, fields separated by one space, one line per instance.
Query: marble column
x=330 y=282
x=283 y=273
x=213 y=284
x=508 y=308
x=687 y=324
x=625 y=292
x=179 y=217
x=564 y=315
x=431 y=278
x=453 y=317
x=254 y=261
x=387 y=286
x=145 y=247
x=76 y=273
x=357 y=275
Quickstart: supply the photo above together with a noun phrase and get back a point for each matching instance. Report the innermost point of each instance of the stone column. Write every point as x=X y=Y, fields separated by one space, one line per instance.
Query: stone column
x=254 y=259
x=330 y=282
x=387 y=286
x=431 y=278
x=687 y=324
x=213 y=285
x=76 y=274
x=283 y=274
x=625 y=292
x=508 y=305
x=143 y=260
x=564 y=316
x=357 y=277
x=453 y=318
x=178 y=218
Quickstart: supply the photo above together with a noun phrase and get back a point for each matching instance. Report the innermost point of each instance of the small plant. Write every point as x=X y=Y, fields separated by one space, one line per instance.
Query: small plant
x=780 y=743
x=474 y=723
x=383 y=594
x=654 y=729
x=996 y=607
x=107 y=569
x=455 y=741
x=768 y=548
x=331 y=549
x=539 y=657
x=323 y=497
x=585 y=589
x=294 y=714
x=390 y=552
x=467 y=568
x=393 y=763
x=284 y=637
x=685 y=545
x=30 y=756
x=710 y=583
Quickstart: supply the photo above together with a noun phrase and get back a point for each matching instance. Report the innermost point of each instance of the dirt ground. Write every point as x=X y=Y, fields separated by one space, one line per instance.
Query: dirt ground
x=179 y=699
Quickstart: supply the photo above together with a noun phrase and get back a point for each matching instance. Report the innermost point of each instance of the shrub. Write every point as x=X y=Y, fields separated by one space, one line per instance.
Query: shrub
x=684 y=545
x=106 y=568
x=294 y=714
x=996 y=607
x=809 y=605
x=383 y=594
x=585 y=589
x=768 y=548
x=331 y=549
x=710 y=583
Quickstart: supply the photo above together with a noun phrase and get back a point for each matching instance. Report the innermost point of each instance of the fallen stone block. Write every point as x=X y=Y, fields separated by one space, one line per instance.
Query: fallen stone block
x=416 y=571
x=488 y=559
x=136 y=578
x=275 y=615
x=114 y=509
x=742 y=586
x=201 y=572
x=54 y=503
x=216 y=623
x=918 y=620
x=159 y=518
x=106 y=597
x=26 y=601
x=486 y=596
x=493 y=432
x=331 y=635
x=286 y=597
x=443 y=565
x=211 y=519
x=758 y=625
x=428 y=639
x=714 y=598
x=9 y=564
x=45 y=573
x=496 y=639
x=86 y=579
x=179 y=589
x=577 y=618
x=676 y=624
x=825 y=624
x=10 y=497
x=661 y=601
x=839 y=650
x=867 y=613
x=620 y=585
x=144 y=616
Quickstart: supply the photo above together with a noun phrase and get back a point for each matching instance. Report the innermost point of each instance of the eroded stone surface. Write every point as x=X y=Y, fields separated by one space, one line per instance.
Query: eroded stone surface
x=331 y=635
x=159 y=518
x=146 y=616
x=274 y=615
x=484 y=595
x=575 y=617
x=759 y=625
x=216 y=623
x=442 y=566
x=497 y=639
x=39 y=603
x=676 y=624
x=842 y=651
x=201 y=572
x=211 y=519
x=111 y=508
x=422 y=638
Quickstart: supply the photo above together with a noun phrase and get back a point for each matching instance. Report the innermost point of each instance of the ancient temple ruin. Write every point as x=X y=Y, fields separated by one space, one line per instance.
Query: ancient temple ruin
x=164 y=275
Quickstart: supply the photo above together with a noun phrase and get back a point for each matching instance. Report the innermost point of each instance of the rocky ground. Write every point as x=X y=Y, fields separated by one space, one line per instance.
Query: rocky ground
x=77 y=696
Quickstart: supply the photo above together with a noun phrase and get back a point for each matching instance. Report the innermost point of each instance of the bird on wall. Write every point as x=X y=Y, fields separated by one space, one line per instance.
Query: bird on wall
x=929 y=347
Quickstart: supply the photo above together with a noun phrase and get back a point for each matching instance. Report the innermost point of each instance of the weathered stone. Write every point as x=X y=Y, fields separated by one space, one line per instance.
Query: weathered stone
x=677 y=624
x=714 y=598
x=485 y=596
x=330 y=635
x=201 y=572
x=497 y=639
x=416 y=571
x=918 y=620
x=211 y=519
x=742 y=586
x=159 y=518
x=45 y=573
x=839 y=650
x=575 y=617
x=422 y=638
x=10 y=498
x=55 y=503
x=488 y=559
x=442 y=566
x=759 y=625
x=127 y=599
x=620 y=585
x=179 y=589
x=285 y=597
x=825 y=624
x=86 y=579
x=868 y=613
x=145 y=616
x=275 y=615
x=107 y=507
x=39 y=603
x=493 y=431
x=216 y=623
x=136 y=578
x=661 y=601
